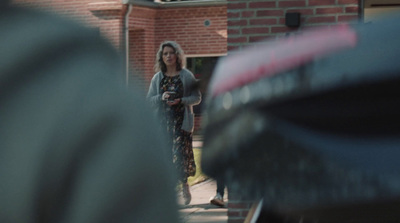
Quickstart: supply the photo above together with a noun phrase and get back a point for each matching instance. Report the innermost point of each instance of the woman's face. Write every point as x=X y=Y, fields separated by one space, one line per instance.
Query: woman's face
x=169 y=56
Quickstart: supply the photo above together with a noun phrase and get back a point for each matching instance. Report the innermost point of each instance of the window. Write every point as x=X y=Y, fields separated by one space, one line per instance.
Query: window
x=202 y=68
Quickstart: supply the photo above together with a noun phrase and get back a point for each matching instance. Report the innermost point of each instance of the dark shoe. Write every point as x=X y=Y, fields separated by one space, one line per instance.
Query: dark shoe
x=186 y=193
x=217 y=200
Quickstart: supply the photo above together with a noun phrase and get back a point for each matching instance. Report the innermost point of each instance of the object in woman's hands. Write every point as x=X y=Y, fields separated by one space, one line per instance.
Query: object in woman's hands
x=172 y=96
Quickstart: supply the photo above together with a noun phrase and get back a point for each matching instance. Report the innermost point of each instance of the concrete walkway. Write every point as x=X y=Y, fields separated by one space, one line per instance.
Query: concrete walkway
x=200 y=210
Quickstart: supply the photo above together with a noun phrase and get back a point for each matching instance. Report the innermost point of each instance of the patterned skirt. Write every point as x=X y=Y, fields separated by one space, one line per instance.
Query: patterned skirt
x=182 y=155
x=182 y=147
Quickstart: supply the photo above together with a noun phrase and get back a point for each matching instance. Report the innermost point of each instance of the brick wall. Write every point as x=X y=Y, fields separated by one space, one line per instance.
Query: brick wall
x=238 y=207
x=252 y=21
x=142 y=44
x=185 y=25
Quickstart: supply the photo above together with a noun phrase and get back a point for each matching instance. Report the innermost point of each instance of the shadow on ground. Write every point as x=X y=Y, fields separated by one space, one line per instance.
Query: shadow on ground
x=205 y=206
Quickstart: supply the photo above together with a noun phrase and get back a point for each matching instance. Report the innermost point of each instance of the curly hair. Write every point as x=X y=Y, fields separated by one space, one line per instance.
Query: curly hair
x=180 y=56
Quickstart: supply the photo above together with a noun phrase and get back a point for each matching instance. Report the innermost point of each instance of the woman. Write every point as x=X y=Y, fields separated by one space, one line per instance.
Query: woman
x=171 y=93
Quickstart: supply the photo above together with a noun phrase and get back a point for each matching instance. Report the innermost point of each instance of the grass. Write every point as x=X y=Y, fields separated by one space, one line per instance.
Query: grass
x=200 y=176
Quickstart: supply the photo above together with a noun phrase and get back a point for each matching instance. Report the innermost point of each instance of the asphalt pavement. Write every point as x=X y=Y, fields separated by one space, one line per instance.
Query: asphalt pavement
x=200 y=210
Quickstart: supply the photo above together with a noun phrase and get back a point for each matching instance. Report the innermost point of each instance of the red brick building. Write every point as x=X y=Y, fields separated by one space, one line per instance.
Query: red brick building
x=205 y=29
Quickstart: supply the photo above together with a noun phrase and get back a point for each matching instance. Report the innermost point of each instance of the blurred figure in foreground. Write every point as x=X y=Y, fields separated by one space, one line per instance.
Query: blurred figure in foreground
x=307 y=126
x=75 y=147
x=172 y=95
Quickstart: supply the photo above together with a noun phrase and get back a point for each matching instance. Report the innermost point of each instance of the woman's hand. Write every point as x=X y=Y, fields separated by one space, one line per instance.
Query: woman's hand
x=174 y=102
x=165 y=95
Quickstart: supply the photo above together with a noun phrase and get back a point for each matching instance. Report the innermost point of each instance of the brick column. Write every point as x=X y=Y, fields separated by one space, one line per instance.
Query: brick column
x=252 y=21
x=238 y=207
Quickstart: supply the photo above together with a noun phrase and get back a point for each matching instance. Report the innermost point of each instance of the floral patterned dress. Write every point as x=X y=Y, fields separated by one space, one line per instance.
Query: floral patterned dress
x=182 y=150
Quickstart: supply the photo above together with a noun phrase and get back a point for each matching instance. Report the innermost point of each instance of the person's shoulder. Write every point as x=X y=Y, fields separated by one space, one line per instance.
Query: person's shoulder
x=157 y=75
x=42 y=18
x=186 y=72
x=50 y=29
x=55 y=38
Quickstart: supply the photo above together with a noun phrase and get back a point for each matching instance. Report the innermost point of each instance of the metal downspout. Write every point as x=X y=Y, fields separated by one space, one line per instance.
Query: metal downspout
x=126 y=30
x=361 y=10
